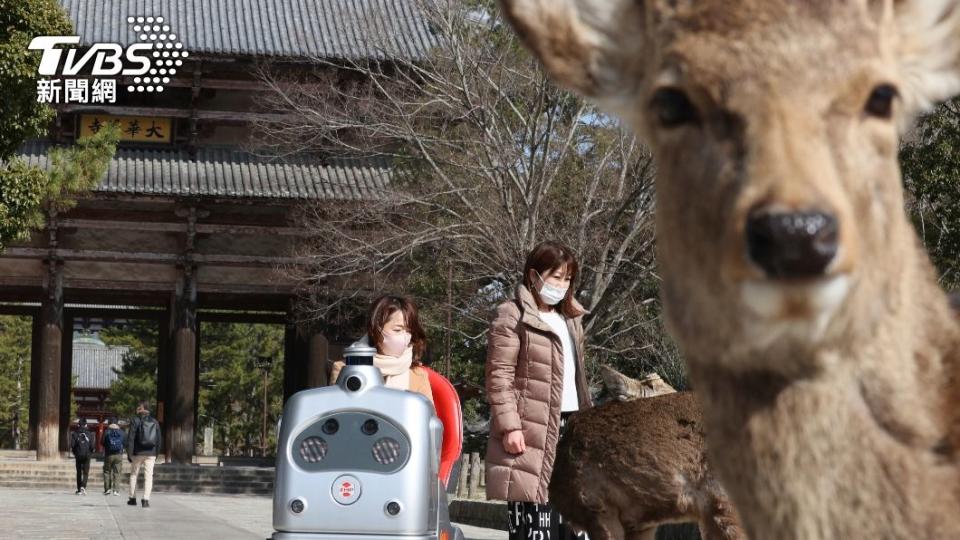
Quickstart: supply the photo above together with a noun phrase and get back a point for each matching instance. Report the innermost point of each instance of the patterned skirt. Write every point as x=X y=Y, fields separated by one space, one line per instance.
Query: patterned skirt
x=532 y=521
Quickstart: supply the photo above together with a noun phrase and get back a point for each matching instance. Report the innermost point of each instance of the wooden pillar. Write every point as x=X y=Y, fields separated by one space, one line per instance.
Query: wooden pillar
x=179 y=411
x=164 y=362
x=48 y=383
x=307 y=353
x=287 y=364
x=294 y=364
x=317 y=350
x=66 y=381
x=196 y=383
x=34 y=421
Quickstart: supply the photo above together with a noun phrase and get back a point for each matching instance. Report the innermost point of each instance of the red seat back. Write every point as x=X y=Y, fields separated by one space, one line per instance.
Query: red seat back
x=447 y=404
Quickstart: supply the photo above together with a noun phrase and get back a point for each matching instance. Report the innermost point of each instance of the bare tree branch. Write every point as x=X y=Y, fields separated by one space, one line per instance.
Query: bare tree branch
x=488 y=158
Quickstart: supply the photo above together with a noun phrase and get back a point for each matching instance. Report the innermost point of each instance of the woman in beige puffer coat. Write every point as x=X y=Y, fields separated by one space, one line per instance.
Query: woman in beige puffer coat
x=534 y=379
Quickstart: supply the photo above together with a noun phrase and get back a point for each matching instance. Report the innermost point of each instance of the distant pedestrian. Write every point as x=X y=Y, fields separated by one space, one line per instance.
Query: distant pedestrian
x=114 y=440
x=81 y=445
x=143 y=444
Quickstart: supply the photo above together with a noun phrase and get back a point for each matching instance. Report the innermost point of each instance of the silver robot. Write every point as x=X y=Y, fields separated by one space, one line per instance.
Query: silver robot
x=359 y=460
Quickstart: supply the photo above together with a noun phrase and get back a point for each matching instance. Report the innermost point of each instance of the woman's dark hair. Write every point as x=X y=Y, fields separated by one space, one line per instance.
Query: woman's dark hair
x=382 y=308
x=545 y=258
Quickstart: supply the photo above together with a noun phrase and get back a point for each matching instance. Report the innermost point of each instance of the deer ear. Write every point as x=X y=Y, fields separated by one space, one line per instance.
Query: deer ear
x=593 y=47
x=928 y=50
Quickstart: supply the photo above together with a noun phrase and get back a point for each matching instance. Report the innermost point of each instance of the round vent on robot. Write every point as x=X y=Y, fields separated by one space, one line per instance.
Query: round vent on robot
x=386 y=451
x=313 y=449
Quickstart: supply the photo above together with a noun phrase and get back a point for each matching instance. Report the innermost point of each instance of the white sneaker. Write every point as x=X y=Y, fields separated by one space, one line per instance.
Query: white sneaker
x=116 y=493
x=83 y=491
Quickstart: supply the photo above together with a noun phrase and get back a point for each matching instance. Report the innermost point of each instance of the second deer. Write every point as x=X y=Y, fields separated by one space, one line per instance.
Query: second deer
x=626 y=467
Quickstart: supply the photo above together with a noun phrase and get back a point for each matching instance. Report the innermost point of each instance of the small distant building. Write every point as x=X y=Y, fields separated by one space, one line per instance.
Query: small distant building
x=94 y=365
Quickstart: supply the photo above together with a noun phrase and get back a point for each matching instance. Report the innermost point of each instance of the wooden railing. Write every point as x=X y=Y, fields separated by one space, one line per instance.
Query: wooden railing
x=471 y=483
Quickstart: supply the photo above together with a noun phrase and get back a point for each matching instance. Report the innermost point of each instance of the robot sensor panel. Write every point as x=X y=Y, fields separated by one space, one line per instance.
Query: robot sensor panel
x=352 y=440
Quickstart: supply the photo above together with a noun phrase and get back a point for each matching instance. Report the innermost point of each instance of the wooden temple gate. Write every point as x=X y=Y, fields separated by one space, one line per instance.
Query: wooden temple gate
x=187 y=225
x=164 y=267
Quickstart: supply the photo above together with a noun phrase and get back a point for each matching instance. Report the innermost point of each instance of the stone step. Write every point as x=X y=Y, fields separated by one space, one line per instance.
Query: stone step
x=28 y=470
x=18 y=454
x=39 y=464
x=156 y=480
x=229 y=490
x=165 y=477
x=231 y=461
x=167 y=468
x=156 y=474
x=61 y=479
x=157 y=477
x=18 y=470
x=93 y=488
x=64 y=462
x=61 y=475
x=159 y=466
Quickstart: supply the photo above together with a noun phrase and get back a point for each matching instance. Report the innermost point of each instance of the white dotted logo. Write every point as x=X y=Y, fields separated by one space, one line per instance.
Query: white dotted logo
x=168 y=53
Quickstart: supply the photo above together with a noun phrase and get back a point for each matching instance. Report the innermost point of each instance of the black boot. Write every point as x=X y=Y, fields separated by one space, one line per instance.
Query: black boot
x=144 y=503
x=132 y=501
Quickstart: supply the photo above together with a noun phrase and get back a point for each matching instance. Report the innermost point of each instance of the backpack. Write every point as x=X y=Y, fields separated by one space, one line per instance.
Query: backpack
x=114 y=441
x=148 y=434
x=81 y=445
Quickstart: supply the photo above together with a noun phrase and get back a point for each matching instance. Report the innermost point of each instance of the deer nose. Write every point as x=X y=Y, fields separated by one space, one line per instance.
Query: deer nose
x=792 y=244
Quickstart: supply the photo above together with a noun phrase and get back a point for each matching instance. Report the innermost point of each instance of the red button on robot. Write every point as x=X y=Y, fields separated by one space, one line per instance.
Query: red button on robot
x=346 y=489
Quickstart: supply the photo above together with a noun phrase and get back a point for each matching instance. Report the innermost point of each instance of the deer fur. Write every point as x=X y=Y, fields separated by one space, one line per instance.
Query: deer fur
x=628 y=466
x=830 y=404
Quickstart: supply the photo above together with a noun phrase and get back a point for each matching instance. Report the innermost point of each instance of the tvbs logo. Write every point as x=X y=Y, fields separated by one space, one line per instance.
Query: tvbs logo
x=151 y=62
x=107 y=57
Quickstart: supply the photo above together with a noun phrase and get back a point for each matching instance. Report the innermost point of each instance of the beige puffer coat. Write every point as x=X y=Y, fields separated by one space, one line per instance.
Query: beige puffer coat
x=524 y=383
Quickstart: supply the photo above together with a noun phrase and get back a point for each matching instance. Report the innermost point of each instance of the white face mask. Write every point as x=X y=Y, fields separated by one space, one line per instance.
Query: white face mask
x=551 y=294
x=395 y=344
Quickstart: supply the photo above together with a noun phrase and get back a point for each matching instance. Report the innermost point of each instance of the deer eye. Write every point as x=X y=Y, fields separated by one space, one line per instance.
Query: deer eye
x=880 y=102
x=673 y=108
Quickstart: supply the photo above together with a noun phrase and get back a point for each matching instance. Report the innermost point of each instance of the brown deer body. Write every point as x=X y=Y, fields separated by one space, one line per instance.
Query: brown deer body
x=816 y=337
x=624 y=468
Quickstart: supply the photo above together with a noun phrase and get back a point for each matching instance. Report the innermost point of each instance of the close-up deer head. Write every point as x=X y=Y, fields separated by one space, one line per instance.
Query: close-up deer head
x=792 y=279
x=775 y=128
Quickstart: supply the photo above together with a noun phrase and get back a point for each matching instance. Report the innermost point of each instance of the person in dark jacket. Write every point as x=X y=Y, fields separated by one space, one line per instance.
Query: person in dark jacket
x=143 y=444
x=81 y=445
x=113 y=441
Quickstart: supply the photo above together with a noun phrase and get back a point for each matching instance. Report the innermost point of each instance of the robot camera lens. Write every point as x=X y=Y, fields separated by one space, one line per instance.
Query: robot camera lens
x=370 y=427
x=296 y=506
x=354 y=384
x=393 y=508
x=331 y=426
